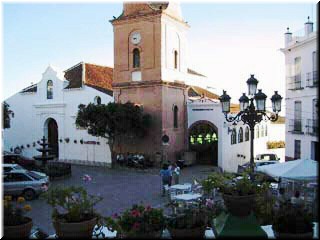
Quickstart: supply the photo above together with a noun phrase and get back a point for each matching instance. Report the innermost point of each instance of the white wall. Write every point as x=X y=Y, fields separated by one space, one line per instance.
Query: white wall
x=32 y=110
x=300 y=47
x=228 y=158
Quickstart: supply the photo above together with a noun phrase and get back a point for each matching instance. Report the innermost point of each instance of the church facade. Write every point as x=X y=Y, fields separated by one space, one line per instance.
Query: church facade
x=150 y=70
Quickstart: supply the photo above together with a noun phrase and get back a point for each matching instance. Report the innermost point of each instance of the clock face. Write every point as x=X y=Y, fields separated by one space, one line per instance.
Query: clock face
x=135 y=38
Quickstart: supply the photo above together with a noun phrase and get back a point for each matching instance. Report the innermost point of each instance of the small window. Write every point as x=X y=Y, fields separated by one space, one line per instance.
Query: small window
x=247 y=134
x=257 y=132
x=97 y=100
x=234 y=136
x=49 y=89
x=136 y=58
x=175 y=117
x=297 y=149
x=175 y=59
x=240 y=135
x=266 y=131
x=262 y=131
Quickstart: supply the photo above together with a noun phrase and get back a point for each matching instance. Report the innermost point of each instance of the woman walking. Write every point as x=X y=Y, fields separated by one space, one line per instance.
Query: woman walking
x=166 y=176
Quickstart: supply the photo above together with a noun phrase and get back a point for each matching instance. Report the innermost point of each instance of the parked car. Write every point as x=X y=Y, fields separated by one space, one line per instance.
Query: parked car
x=18 y=159
x=26 y=183
x=267 y=157
x=7 y=167
x=245 y=166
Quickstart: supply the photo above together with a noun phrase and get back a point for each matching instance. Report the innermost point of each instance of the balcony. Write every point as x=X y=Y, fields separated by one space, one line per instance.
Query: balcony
x=312 y=127
x=312 y=79
x=295 y=126
x=294 y=82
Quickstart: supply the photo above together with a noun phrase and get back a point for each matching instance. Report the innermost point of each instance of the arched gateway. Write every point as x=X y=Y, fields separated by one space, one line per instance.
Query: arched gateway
x=203 y=139
x=51 y=133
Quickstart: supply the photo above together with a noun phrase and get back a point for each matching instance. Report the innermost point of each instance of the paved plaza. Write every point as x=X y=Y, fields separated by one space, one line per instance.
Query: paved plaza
x=120 y=189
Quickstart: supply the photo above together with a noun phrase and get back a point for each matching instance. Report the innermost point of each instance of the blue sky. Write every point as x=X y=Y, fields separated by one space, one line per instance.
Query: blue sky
x=227 y=42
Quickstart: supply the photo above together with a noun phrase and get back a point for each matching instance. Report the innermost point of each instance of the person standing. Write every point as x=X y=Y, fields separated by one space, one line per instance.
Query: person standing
x=175 y=173
x=166 y=176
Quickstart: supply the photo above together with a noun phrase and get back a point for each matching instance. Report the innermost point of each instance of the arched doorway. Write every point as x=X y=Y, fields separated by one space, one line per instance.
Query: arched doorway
x=51 y=133
x=203 y=139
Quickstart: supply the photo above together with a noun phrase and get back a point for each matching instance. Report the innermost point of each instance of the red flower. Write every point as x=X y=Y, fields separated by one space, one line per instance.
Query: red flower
x=136 y=225
x=135 y=213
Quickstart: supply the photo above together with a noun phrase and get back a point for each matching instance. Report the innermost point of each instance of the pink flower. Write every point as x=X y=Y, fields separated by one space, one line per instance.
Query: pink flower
x=136 y=225
x=148 y=208
x=86 y=178
x=135 y=213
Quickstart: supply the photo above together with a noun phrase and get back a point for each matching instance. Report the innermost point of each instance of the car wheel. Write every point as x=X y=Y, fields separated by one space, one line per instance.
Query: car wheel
x=29 y=194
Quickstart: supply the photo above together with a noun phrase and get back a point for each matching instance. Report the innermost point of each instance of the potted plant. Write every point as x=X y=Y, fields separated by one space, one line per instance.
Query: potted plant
x=292 y=221
x=16 y=224
x=67 y=140
x=78 y=217
x=138 y=222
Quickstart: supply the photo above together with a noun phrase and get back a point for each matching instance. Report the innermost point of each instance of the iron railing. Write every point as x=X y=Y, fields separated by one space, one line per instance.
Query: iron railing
x=295 y=126
x=295 y=82
x=312 y=79
x=312 y=127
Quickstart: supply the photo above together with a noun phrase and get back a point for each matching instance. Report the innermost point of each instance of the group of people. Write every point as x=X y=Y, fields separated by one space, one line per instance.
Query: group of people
x=169 y=173
x=296 y=200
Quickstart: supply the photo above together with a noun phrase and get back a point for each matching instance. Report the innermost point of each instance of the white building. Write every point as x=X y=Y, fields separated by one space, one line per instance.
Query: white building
x=301 y=94
x=49 y=107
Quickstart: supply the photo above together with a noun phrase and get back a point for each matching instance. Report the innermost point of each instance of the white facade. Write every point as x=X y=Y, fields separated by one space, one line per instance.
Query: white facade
x=301 y=94
x=32 y=111
x=229 y=155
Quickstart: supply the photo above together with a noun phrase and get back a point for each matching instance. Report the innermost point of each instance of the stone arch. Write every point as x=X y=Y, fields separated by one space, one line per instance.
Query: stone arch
x=203 y=139
x=51 y=133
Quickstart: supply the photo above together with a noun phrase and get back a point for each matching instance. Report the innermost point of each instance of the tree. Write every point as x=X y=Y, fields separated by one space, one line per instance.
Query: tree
x=113 y=120
x=6 y=115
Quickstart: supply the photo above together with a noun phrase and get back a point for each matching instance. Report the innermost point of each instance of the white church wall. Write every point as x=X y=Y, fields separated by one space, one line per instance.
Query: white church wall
x=31 y=111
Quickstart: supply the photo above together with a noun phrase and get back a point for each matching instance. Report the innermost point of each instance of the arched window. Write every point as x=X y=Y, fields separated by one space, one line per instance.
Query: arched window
x=175 y=117
x=257 y=131
x=234 y=136
x=136 y=58
x=247 y=133
x=262 y=131
x=49 y=89
x=97 y=100
x=266 y=131
x=240 y=135
x=175 y=59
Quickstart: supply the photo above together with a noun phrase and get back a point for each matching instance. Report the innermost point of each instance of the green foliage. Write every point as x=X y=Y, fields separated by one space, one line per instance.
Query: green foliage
x=292 y=219
x=215 y=180
x=113 y=119
x=138 y=219
x=275 y=144
x=76 y=204
x=6 y=115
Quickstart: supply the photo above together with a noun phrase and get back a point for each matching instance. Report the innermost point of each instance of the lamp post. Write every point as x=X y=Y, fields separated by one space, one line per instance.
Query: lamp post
x=252 y=113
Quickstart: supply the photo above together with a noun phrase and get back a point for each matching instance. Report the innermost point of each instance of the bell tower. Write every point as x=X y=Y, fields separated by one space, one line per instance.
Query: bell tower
x=150 y=52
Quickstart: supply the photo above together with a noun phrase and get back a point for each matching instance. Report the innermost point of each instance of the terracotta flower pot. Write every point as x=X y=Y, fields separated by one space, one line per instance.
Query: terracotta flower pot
x=75 y=230
x=197 y=232
x=18 y=231
x=149 y=235
x=239 y=206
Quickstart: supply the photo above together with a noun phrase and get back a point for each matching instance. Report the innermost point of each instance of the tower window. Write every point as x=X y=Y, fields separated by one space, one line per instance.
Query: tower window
x=234 y=136
x=136 y=58
x=175 y=117
x=240 y=135
x=49 y=89
x=176 y=59
x=247 y=134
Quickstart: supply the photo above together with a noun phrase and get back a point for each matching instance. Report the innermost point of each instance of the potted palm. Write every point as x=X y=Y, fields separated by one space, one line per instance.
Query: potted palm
x=138 y=222
x=76 y=218
x=16 y=224
x=292 y=221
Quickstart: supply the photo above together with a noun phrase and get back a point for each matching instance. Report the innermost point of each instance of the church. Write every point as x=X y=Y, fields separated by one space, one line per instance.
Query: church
x=150 y=70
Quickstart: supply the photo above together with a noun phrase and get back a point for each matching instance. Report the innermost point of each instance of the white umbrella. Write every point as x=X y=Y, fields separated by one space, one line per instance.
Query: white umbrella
x=305 y=170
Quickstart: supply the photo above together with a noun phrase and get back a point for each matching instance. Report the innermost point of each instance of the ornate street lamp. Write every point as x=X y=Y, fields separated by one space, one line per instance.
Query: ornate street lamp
x=250 y=113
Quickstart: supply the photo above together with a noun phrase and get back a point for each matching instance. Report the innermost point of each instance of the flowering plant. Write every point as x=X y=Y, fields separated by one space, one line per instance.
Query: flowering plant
x=14 y=212
x=138 y=219
x=74 y=203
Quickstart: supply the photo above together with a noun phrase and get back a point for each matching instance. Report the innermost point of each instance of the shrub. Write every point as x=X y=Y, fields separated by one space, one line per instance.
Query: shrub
x=58 y=169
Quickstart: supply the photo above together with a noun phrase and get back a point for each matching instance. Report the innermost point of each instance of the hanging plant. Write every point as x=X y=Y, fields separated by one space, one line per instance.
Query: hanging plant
x=60 y=140
x=38 y=142
x=34 y=144
x=22 y=147
x=81 y=141
x=28 y=145
x=98 y=143
x=11 y=149
x=75 y=141
x=67 y=140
